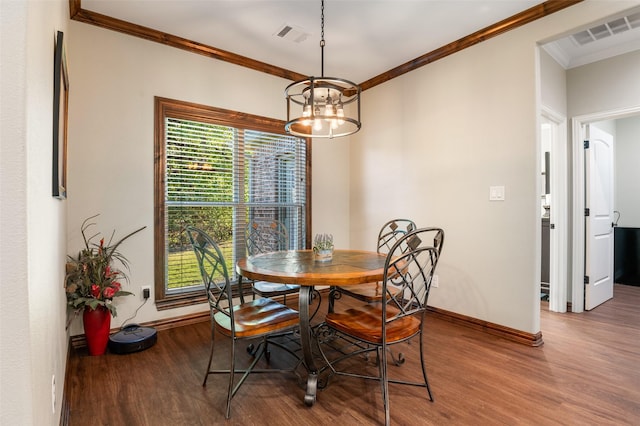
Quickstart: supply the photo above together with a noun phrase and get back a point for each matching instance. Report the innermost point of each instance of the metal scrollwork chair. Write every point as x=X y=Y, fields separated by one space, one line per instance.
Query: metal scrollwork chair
x=399 y=316
x=263 y=236
x=261 y=318
x=389 y=234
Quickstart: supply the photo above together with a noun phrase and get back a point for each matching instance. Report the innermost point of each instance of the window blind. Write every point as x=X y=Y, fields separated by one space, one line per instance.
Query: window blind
x=218 y=178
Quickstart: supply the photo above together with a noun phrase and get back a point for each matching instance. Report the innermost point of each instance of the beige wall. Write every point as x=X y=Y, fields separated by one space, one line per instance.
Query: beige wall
x=627 y=183
x=459 y=129
x=435 y=140
x=115 y=78
x=553 y=84
x=33 y=341
x=607 y=85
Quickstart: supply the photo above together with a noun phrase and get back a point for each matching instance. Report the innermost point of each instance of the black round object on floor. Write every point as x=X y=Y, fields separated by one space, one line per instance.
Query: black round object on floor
x=132 y=338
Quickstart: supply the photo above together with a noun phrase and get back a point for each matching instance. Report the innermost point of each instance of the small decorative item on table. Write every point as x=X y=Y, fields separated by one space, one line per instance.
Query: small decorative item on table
x=323 y=247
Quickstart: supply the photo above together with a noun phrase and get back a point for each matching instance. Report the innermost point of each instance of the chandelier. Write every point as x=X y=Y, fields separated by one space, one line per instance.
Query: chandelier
x=316 y=105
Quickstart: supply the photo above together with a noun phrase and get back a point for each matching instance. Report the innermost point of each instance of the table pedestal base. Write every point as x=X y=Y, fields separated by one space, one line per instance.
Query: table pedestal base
x=306 y=338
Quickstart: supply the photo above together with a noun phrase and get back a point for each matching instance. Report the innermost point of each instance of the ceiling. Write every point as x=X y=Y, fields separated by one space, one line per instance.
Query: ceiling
x=364 y=38
x=615 y=35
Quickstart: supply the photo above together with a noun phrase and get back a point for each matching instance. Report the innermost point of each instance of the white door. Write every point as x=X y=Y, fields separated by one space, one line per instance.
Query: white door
x=599 y=228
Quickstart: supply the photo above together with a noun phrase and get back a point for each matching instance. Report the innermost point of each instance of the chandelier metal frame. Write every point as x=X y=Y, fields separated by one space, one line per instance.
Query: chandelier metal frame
x=321 y=103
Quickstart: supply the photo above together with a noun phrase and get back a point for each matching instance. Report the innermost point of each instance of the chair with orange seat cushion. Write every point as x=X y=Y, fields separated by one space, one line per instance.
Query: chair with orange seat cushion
x=257 y=319
x=399 y=316
x=389 y=234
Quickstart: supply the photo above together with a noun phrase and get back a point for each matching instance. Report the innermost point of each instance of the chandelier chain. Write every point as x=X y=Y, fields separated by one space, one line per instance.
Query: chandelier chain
x=322 y=22
x=322 y=38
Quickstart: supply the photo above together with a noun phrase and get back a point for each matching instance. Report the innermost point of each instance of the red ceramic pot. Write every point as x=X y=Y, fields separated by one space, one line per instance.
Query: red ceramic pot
x=97 y=323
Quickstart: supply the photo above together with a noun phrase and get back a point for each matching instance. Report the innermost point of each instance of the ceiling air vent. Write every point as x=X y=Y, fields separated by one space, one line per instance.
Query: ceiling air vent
x=600 y=31
x=292 y=33
x=619 y=26
x=634 y=20
x=583 y=37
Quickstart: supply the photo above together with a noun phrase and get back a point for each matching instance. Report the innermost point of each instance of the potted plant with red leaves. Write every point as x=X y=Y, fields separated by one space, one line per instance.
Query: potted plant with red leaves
x=92 y=281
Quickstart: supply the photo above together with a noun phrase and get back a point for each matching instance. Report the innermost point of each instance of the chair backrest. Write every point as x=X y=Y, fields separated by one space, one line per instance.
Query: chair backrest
x=410 y=266
x=213 y=270
x=266 y=235
x=435 y=236
x=391 y=232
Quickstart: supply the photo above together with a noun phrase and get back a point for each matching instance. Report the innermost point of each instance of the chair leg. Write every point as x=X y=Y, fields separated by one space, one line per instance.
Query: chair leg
x=232 y=370
x=233 y=389
x=381 y=353
x=424 y=371
x=206 y=374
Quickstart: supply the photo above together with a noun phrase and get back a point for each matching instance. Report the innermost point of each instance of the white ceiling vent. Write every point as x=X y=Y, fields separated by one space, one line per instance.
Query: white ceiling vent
x=292 y=33
x=598 y=32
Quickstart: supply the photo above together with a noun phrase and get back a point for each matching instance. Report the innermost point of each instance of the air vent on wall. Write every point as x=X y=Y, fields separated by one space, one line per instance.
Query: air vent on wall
x=607 y=29
x=292 y=33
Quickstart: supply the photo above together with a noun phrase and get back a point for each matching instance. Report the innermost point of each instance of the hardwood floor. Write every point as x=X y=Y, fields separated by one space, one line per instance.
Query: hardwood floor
x=586 y=373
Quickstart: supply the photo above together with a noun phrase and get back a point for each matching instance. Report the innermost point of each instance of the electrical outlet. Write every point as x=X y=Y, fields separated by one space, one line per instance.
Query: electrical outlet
x=434 y=281
x=146 y=292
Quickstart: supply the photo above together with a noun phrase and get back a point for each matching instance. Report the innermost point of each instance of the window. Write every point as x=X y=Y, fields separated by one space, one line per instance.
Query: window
x=217 y=169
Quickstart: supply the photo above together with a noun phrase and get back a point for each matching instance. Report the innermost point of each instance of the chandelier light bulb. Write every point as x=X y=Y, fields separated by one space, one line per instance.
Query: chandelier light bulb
x=340 y=114
x=329 y=110
x=306 y=112
x=317 y=123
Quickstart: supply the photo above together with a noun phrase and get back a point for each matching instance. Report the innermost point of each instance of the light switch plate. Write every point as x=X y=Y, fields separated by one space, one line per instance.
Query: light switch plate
x=496 y=193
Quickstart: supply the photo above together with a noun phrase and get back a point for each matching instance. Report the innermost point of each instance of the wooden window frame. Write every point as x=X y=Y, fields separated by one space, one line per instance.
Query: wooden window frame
x=163 y=108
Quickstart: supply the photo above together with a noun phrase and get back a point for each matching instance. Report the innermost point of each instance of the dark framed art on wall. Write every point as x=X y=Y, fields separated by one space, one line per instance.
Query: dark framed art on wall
x=60 y=118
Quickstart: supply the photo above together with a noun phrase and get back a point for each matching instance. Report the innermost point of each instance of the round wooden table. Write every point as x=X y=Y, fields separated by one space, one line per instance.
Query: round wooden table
x=346 y=268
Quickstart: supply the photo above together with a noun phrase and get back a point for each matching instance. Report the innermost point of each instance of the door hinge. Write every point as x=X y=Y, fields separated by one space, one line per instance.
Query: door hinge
x=586 y=144
x=586 y=211
x=586 y=279
x=552 y=226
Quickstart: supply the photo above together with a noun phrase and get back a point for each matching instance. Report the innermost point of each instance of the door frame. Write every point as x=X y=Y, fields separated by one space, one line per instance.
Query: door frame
x=578 y=241
x=559 y=236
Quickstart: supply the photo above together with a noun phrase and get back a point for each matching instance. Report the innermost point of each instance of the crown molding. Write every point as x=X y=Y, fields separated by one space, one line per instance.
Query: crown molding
x=513 y=22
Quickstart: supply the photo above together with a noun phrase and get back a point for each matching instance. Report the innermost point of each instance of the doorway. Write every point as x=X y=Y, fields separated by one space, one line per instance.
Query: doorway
x=579 y=123
x=608 y=85
x=553 y=207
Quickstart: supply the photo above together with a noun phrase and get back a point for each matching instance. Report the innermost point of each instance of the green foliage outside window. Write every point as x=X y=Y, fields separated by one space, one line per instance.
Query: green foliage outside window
x=216 y=178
